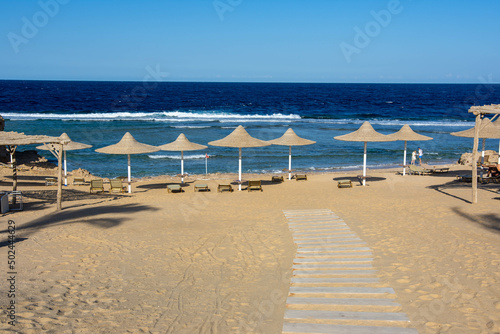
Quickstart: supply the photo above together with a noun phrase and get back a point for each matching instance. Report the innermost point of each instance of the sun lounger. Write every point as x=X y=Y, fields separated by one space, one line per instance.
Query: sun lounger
x=419 y=170
x=224 y=187
x=300 y=177
x=79 y=181
x=174 y=188
x=201 y=186
x=435 y=169
x=254 y=185
x=277 y=179
x=50 y=181
x=344 y=184
x=96 y=185
x=116 y=186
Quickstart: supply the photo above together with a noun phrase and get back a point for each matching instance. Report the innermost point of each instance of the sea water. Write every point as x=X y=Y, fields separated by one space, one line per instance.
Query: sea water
x=155 y=113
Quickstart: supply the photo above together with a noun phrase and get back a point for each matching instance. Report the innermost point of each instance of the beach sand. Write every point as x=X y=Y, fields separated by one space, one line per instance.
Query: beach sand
x=209 y=262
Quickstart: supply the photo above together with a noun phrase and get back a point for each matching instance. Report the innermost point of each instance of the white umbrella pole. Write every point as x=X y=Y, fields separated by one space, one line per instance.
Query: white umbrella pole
x=499 y=152
x=364 y=167
x=482 y=152
x=239 y=171
x=290 y=163
x=482 y=158
x=404 y=161
x=182 y=167
x=65 y=171
x=129 y=179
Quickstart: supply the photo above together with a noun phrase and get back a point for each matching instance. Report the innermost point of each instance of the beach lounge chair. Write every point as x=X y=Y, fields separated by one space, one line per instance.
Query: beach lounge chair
x=116 y=185
x=96 y=185
x=254 y=185
x=50 y=181
x=79 y=181
x=277 y=179
x=201 y=187
x=174 y=188
x=419 y=170
x=435 y=169
x=300 y=177
x=224 y=187
x=344 y=184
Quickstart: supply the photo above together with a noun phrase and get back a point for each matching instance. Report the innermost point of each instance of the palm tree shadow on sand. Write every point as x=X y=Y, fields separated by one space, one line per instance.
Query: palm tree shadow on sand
x=490 y=221
x=99 y=216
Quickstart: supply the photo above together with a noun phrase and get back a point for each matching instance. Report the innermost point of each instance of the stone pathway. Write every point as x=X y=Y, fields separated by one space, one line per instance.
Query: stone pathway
x=334 y=288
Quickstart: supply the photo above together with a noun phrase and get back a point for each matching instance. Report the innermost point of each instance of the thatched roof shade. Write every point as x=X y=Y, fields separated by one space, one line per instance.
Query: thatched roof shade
x=128 y=145
x=18 y=138
x=486 y=130
x=407 y=133
x=182 y=144
x=239 y=138
x=70 y=146
x=365 y=133
x=290 y=138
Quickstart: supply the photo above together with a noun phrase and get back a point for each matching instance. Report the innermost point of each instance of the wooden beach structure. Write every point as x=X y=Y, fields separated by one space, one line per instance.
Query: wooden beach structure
x=479 y=112
x=13 y=139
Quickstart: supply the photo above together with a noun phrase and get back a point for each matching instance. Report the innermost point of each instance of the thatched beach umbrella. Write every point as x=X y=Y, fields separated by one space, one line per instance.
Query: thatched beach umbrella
x=290 y=139
x=365 y=134
x=487 y=130
x=497 y=124
x=14 y=139
x=239 y=138
x=182 y=144
x=71 y=146
x=407 y=134
x=128 y=145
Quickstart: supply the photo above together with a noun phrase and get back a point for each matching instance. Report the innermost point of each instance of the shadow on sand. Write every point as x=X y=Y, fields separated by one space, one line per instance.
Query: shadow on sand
x=100 y=216
x=490 y=221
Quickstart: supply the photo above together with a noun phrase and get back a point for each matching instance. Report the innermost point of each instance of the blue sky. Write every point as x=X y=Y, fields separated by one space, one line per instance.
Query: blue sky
x=252 y=40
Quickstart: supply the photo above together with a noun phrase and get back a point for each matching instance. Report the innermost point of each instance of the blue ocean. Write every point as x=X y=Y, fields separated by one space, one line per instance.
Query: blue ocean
x=100 y=113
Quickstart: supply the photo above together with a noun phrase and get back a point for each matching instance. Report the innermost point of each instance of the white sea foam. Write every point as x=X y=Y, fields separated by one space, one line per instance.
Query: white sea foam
x=170 y=116
x=444 y=123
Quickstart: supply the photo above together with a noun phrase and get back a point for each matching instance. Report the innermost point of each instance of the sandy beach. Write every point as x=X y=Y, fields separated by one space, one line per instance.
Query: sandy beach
x=209 y=262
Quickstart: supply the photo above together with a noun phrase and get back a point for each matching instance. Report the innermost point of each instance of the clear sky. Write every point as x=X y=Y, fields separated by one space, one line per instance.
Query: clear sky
x=252 y=40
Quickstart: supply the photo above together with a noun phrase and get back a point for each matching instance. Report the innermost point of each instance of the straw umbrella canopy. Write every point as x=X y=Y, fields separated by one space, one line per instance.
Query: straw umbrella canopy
x=290 y=139
x=407 y=134
x=14 y=139
x=365 y=134
x=128 y=145
x=487 y=130
x=497 y=124
x=71 y=146
x=239 y=138
x=182 y=144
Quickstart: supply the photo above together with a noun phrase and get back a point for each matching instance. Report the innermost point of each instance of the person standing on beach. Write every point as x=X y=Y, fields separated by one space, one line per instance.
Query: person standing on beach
x=420 y=154
x=414 y=157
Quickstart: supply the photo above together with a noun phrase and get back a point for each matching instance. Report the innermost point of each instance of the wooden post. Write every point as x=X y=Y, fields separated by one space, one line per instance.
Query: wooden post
x=12 y=151
x=59 y=177
x=474 y=158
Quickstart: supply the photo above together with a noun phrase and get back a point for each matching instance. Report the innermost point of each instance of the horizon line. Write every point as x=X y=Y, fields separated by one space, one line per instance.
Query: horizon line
x=260 y=82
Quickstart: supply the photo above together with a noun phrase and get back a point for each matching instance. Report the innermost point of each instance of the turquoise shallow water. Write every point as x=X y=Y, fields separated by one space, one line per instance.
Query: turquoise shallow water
x=99 y=113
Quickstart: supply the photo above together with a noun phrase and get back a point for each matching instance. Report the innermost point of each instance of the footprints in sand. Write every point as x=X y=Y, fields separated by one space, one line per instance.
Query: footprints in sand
x=334 y=288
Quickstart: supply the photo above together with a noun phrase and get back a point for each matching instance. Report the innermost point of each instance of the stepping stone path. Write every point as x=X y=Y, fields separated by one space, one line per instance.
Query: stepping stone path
x=334 y=288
